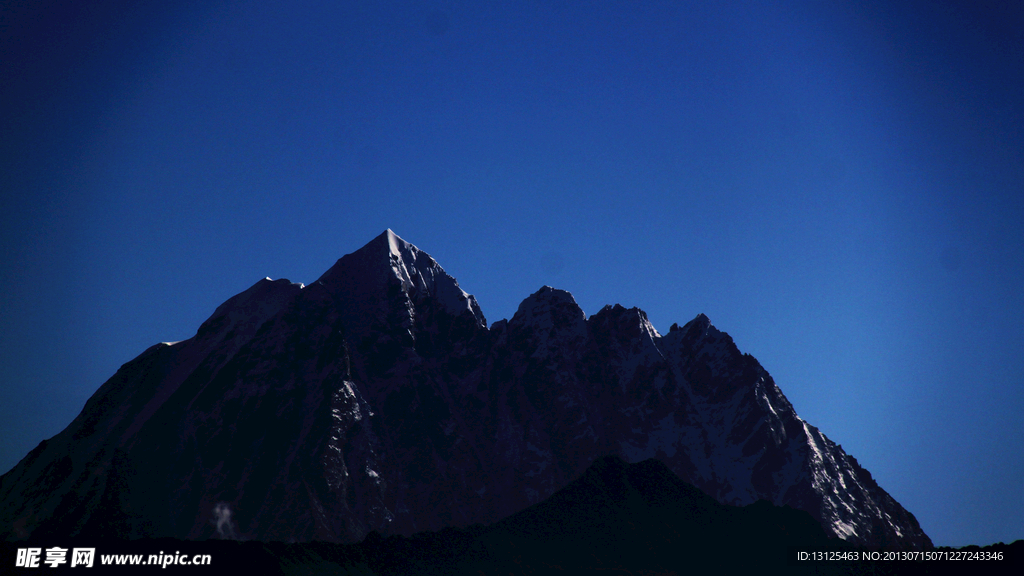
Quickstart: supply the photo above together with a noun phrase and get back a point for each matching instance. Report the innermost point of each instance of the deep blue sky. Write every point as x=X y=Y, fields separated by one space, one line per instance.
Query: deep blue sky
x=838 y=185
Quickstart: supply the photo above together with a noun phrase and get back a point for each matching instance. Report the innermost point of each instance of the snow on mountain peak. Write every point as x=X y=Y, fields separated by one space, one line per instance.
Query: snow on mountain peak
x=420 y=272
x=393 y=241
x=366 y=273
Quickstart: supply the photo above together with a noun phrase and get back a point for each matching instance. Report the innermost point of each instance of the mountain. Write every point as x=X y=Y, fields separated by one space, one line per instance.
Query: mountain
x=377 y=399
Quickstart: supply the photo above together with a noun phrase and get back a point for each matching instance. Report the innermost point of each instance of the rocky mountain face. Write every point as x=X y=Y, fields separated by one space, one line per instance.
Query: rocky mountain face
x=377 y=398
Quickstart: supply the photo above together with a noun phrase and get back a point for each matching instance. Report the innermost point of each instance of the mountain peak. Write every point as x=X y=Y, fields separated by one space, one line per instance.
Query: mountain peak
x=553 y=317
x=699 y=326
x=364 y=275
x=550 y=297
x=395 y=244
x=387 y=242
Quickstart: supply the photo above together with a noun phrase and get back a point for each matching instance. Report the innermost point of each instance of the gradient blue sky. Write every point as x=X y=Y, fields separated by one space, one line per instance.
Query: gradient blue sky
x=838 y=185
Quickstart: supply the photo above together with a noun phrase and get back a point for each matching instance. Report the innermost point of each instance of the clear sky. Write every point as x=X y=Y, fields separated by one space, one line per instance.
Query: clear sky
x=839 y=185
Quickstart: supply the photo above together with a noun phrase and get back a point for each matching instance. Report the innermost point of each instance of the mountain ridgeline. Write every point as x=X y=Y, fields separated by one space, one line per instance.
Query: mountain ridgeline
x=378 y=399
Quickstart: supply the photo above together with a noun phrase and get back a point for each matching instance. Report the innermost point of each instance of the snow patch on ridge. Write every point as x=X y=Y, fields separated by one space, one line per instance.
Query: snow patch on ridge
x=844 y=529
x=393 y=242
x=418 y=270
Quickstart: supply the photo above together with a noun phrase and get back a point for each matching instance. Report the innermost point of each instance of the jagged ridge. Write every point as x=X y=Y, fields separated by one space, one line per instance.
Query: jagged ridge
x=376 y=398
